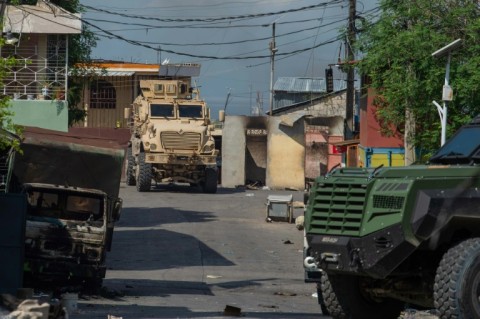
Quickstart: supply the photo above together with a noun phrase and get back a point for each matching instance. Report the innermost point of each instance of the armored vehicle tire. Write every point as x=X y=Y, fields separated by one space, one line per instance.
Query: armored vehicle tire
x=144 y=174
x=129 y=172
x=321 y=302
x=210 y=183
x=456 y=291
x=344 y=298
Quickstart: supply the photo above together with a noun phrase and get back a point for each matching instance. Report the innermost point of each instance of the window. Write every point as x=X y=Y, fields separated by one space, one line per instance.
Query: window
x=183 y=88
x=102 y=95
x=190 y=111
x=171 y=88
x=158 y=88
x=161 y=110
x=84 y=205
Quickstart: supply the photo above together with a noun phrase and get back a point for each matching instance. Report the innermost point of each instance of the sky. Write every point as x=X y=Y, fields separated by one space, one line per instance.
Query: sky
x=229 y=38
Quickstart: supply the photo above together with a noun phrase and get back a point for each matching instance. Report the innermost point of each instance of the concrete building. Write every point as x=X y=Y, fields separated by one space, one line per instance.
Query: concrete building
x=290 y=147
x=108 y=88
x=36 y=35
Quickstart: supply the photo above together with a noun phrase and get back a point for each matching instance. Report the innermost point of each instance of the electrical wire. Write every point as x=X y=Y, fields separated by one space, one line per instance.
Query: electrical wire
x=258 y=15
x=235 y=42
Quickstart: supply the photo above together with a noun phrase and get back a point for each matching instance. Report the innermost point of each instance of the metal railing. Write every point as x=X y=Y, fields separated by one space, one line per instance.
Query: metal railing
x=36 y=74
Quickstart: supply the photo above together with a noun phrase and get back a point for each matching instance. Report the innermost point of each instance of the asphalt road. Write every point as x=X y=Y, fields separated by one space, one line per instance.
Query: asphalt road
x=179 y=253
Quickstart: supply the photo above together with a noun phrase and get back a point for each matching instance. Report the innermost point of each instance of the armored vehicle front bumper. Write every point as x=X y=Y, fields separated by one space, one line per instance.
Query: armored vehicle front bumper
x=179 y=159
x=375 y=255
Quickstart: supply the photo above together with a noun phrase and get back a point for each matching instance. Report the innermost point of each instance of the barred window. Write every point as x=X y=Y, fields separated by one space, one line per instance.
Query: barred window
x=102 y=95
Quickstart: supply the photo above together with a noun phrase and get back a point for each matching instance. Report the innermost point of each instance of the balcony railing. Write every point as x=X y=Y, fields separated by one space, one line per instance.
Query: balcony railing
x=37 y=74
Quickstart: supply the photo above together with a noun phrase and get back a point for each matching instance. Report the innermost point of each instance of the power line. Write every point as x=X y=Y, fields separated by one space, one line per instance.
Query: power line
x=240 y=41
x=258 y=15
x=212 y=25
x=285 y=54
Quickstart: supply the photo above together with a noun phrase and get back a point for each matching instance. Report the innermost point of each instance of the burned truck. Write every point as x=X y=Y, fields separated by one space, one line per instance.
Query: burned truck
x=380 y=238
x=171 y=137
x=72 y=194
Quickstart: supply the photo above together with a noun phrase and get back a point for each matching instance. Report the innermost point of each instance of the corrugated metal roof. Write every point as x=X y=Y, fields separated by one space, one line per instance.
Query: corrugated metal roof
x=303 y=85
x=116 y=73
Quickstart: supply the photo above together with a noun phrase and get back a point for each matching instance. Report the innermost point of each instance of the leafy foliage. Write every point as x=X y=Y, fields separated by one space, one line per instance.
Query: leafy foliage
x=398 y=47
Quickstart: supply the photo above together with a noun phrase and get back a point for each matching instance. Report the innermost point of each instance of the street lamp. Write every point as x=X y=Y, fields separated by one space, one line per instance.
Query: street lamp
x=447 y=92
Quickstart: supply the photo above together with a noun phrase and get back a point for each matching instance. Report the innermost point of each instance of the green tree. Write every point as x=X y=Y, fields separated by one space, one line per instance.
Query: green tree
x=397 y=47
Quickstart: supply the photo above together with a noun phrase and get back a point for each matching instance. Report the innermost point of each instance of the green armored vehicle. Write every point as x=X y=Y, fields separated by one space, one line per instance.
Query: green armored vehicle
x=378 y=240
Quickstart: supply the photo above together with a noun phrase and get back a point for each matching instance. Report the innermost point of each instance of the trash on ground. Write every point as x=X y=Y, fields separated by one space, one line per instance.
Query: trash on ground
x=232 y=311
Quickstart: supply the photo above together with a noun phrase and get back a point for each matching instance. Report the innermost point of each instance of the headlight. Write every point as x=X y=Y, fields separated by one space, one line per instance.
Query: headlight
x=153 y=146
x=208 y=148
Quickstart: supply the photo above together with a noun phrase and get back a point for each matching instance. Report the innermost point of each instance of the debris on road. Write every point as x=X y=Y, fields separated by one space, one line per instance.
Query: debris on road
x=299 y=222
x=232 y=311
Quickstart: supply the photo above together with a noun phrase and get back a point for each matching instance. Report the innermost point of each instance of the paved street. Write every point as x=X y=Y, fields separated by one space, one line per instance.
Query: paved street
x=179 y=253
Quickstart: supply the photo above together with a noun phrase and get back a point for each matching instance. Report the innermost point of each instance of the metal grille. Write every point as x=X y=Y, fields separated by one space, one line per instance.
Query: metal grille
x=338 y=208
x=37 y=74
x=388 y=202
x=176 y=141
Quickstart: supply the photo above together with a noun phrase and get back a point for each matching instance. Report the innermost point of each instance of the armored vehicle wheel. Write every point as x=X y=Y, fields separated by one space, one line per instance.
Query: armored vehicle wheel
x=321 y=302
x=144 y=174
x=210 y=184
x=344 y=298
x=456 y=291
x=129 y=172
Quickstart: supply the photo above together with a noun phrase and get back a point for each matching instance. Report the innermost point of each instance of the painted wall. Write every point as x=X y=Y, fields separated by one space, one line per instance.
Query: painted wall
x=334 y=156
x=370 y=135
x=286 y=155
x=374 y=157
x=316 y=151
x=126 y=90
x=48 y=114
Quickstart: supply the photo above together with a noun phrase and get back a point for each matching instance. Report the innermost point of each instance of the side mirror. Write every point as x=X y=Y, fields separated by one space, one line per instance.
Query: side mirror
x=117 y=208
x=221 y=116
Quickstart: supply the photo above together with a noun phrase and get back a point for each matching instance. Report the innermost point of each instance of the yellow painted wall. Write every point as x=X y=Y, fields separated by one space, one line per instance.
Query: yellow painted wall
x=377 y=159
x=286 y=155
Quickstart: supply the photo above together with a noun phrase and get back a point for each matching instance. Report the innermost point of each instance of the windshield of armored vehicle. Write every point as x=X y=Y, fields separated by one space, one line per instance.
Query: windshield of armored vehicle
x=461 y=146
x=161 y=110
x=191 y=110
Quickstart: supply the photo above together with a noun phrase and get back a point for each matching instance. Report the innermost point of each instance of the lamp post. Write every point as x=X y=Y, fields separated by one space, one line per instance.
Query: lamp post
x=447 y=92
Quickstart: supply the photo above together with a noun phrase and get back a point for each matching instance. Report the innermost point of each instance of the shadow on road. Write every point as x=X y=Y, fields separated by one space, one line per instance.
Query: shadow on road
x=186 y=188
x=150 y=217
x=152 y=249
x=127 y=311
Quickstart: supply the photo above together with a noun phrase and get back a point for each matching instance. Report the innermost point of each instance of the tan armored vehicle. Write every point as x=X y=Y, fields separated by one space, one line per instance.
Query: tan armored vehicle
x=171 y=137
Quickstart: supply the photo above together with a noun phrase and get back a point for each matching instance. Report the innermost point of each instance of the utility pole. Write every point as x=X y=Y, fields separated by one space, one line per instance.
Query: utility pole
x=273 y=50
x=350 y=55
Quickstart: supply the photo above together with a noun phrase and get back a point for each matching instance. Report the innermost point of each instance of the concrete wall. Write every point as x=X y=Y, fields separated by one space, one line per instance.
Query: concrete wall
x=286 y=155
x=279 y=154
x=47 y=114
x=233 y=151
